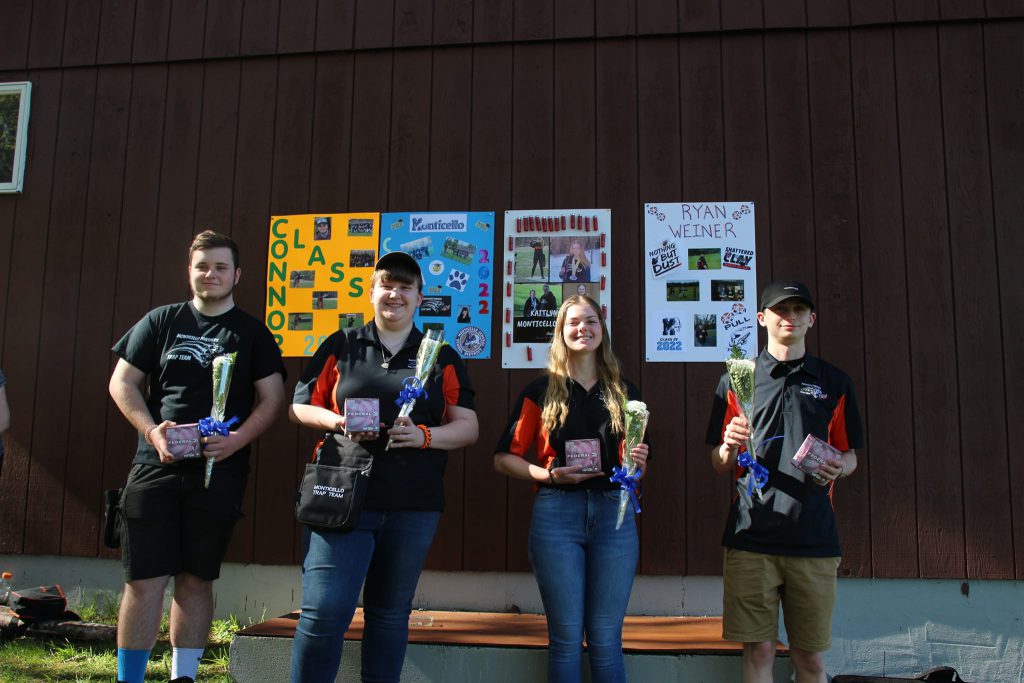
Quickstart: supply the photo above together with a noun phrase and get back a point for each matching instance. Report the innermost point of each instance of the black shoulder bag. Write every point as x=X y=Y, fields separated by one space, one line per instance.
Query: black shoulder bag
x=332 y=490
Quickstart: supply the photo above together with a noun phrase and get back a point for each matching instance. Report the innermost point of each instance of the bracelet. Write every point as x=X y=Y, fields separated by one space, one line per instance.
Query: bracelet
x=146 y=434
x=551 y=477
x=426 y=436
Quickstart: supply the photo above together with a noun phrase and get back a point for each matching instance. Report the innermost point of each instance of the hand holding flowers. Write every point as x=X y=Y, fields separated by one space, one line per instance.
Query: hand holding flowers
x=634 y=458
x=738 y=432
x=414 y=386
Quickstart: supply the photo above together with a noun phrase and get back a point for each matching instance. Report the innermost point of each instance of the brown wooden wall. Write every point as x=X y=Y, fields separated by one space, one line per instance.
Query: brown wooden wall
x=882 y=141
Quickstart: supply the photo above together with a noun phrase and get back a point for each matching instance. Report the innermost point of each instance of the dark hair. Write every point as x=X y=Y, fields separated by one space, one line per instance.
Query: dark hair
x=210 y=239
x=398 y=272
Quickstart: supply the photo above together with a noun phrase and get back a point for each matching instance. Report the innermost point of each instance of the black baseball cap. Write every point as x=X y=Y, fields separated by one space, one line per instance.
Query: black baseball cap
x=399 y=261
x=780 y=290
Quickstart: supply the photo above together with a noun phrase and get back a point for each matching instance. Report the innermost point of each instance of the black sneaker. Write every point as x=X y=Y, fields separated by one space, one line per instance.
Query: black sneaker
x=183 y=679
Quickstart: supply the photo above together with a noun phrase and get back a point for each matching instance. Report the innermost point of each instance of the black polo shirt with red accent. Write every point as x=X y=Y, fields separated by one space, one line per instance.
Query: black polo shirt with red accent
x=588 y=418
x=349 y=365
x=791 y=400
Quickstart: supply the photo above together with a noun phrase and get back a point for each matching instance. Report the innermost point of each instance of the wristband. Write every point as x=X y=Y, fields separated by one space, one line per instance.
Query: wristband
x=146 y=434
x=551 y=477
x=426 y=436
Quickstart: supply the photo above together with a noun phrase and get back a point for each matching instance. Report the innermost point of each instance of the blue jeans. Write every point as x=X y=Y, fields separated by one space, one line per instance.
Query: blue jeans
x=584 y=568
x=387 y=550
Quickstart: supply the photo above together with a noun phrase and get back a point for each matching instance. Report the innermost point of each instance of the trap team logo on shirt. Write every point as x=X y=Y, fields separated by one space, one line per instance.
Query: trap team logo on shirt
x=199 y=349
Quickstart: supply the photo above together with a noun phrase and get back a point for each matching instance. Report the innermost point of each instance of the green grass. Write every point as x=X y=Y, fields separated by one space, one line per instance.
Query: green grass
x=34 y=660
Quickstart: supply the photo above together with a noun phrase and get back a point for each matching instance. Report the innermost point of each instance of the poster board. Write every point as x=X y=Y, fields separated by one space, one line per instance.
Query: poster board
x=455 y=251
x=700 y=280
x=15 y=100
x=548 y=256
x=318 y=277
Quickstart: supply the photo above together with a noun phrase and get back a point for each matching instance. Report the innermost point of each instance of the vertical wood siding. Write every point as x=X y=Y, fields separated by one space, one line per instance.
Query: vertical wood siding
x=882 y=142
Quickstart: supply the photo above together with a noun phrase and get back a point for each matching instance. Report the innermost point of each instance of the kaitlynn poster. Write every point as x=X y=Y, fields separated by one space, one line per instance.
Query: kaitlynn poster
x=318 y=277
x=549 y=256
x=456 y=254
x=700 y=274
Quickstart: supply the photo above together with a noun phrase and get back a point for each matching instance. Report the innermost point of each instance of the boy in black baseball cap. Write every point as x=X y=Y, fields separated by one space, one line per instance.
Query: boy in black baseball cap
x=782 y=547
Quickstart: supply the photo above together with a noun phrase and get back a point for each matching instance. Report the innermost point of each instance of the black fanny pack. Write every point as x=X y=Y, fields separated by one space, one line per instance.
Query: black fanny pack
x=333 y=488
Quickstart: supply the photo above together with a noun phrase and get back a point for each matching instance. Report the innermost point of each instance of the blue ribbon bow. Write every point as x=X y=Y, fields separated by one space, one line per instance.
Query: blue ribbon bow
x=758 y=472
x=630 y=483
x=208 y=426
x=412 y=389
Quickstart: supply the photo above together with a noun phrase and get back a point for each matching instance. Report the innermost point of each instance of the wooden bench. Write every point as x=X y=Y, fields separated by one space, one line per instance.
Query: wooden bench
x=504 y=648
x=690 y=635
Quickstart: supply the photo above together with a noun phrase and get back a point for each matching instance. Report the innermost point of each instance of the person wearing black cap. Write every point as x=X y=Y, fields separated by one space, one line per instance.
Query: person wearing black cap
x=782 y=546
x=385 y=553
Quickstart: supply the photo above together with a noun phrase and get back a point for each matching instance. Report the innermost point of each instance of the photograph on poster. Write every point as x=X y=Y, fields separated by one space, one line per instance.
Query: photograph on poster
x=325 y=300
x=727 y=290
x=362 y=258
x=688 y=290
x=705 y=259
x=531 y=259
x=350 y=320
x=574 y=256
x=534 y=310
x=705 y=330
x=458 y=250
x=591 y=289
x=300 y=321
x=360 y=227
x=420 y=249
x=322 y=228
x=302 y=279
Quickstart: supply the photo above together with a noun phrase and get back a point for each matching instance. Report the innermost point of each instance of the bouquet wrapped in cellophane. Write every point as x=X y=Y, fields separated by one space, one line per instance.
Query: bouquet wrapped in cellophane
x=741 y=380
x=223 y=367
x=636 y=416
x=413 y=387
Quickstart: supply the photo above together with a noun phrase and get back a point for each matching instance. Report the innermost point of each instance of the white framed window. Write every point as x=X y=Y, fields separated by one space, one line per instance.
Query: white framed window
x=14 y=109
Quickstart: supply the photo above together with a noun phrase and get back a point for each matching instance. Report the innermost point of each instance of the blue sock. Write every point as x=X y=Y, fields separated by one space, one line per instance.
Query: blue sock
x=131 y=665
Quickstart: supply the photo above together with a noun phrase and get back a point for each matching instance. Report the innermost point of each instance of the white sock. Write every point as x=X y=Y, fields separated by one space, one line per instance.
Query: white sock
x=185 y=662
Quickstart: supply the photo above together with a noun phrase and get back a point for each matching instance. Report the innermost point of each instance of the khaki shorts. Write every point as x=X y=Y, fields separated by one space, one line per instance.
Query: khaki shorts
x=755 y=583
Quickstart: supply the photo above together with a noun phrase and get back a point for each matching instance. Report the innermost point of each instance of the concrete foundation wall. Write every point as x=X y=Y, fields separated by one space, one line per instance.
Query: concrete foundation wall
x=881 y=626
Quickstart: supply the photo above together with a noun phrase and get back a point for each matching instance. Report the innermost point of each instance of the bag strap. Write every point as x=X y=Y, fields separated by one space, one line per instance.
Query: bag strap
x=335 y=458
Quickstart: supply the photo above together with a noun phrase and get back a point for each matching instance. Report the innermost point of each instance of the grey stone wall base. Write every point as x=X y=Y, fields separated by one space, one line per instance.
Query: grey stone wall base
x=267 y=660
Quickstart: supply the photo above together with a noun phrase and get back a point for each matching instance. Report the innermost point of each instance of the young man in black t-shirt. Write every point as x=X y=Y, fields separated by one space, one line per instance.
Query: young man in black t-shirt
x=782 y=546
x=171 y=524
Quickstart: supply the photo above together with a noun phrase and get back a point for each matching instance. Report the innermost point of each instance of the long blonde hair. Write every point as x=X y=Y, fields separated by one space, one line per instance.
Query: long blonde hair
x=609 y=375
x=583 y=253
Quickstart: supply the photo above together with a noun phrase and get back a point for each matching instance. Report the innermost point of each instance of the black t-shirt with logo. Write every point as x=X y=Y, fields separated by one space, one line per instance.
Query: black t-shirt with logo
x=588 y=418
x=349 y=364
x=791 y=400
x=175 y=346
